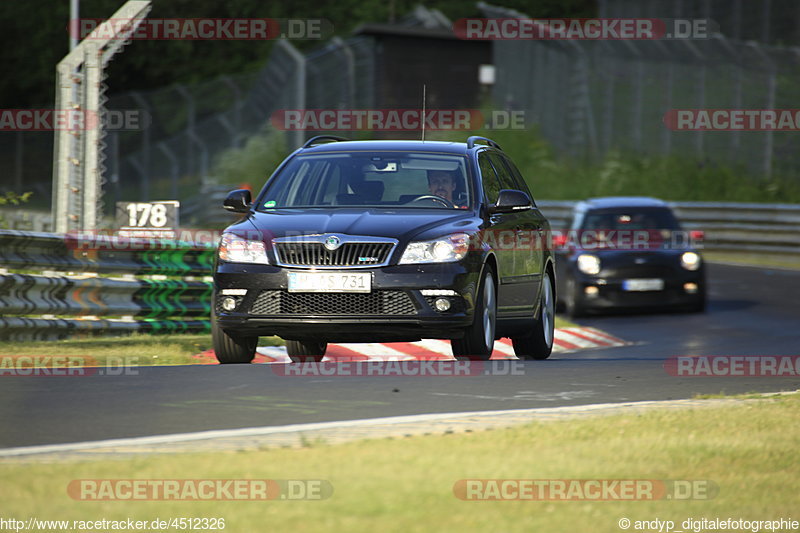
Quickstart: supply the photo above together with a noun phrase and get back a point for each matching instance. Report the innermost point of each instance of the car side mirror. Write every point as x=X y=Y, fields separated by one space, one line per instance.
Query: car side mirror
x=238 y=201
x=510 y=200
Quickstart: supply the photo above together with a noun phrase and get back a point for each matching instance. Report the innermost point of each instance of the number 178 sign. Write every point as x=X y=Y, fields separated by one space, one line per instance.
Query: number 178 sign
x=147 y=219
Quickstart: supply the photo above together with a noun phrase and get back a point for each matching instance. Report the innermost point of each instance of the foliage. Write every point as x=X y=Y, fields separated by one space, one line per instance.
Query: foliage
x=254 y=162
x=12 y=198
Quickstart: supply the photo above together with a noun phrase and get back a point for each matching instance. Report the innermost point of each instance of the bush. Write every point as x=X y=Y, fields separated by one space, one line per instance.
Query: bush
x=254 y=162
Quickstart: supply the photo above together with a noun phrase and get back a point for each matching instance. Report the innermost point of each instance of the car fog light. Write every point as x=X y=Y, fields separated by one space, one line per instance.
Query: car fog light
x=441 y=304
x=691 y=288
x=591 y=291
x=228 y=303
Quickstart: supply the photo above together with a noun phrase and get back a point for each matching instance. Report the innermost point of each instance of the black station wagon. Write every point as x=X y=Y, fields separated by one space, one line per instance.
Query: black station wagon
x=386 y=241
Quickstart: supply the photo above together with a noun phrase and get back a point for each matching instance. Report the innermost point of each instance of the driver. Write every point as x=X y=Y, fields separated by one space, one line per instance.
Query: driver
x=442 y=183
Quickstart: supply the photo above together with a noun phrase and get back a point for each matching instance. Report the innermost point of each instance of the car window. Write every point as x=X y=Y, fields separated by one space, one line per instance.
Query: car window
x=519 y=181
x=377 y=179
x=506 y=179
x=635 y=218
x=489 y=179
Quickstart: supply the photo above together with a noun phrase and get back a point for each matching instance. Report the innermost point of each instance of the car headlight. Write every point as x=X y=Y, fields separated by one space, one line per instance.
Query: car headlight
x=235 y=249
x=589 y=264
x=442 y=250
x=690 y=261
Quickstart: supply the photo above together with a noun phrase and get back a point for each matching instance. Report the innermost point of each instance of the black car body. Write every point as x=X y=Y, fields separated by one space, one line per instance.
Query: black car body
x=361 y=213
x=628 y=252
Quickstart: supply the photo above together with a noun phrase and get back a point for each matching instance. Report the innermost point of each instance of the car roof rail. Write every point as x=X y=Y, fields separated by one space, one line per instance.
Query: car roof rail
x=315 y=140
x=471 y=142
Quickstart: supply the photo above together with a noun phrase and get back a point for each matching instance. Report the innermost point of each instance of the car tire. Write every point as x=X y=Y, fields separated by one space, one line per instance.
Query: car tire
x=306 y=351
x=478 y=340
x=231 y=349
x=573 y=306
x=538 y=343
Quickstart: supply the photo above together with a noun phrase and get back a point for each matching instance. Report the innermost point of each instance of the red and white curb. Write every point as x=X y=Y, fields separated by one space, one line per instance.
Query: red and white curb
x=566 y=340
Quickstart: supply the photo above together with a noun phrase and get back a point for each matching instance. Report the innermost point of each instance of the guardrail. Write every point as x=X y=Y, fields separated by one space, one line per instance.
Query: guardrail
x=728 y=227
x=62 y=286
x=54 y=286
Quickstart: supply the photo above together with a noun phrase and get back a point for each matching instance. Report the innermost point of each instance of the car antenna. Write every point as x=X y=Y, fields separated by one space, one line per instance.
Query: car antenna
x=423 y=112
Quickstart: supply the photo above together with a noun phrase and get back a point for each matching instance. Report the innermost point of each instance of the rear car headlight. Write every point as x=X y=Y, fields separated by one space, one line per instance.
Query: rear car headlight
x=445 y=249
x=690 y=261
x=589 y=264
x=235 y=249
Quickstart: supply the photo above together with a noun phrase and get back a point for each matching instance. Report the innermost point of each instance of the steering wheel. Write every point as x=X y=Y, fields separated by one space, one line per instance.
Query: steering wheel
x=444 y=201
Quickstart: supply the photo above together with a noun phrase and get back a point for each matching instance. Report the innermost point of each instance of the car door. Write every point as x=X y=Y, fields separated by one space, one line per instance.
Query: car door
x=528 y=228
x=500 y=233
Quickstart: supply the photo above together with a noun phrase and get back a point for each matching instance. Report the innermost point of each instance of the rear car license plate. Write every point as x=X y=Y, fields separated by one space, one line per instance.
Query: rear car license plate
x=330 y=282
x=643 y=285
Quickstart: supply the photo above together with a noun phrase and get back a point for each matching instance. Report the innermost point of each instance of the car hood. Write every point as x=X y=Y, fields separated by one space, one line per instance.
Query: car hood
x=401 y=224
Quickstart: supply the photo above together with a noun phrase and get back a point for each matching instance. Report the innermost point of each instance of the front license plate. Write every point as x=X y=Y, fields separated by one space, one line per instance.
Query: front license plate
x=329 y=282
x=643 y=285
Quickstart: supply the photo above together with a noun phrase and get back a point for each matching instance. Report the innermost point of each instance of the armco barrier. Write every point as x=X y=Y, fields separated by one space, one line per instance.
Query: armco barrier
x=52 y=286
x=728 y=227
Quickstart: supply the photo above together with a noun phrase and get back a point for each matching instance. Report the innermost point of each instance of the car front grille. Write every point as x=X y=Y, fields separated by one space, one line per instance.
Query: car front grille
x=348 y=254
x=381 y=302
x=642 y=271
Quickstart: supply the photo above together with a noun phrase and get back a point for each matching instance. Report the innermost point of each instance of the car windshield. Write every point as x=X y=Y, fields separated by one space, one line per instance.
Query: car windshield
x=371 y=179
x=636 y=218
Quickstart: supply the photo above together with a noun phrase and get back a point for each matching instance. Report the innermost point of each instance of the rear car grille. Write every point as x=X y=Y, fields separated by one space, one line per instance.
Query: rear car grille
x=348 y=254
x=278 y=302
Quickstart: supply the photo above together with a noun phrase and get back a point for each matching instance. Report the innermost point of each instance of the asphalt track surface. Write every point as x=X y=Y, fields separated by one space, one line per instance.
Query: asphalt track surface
x=752 y=311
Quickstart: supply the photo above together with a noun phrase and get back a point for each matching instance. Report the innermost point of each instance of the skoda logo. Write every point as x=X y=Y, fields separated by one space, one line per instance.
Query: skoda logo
x=332 y=242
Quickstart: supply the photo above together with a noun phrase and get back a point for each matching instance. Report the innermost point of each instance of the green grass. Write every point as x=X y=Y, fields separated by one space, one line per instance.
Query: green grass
x=136 y=349
x=753 y=259
x=406 y=485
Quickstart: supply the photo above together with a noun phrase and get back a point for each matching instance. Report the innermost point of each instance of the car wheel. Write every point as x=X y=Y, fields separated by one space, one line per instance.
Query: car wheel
x=538 y=344
x=306 y=351
x=231 y=349
x=478 y=341
x=573 y=304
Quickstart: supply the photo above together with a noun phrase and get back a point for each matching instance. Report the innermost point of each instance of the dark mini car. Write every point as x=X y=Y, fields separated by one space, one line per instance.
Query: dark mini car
x=628 y=252
x=386 y=241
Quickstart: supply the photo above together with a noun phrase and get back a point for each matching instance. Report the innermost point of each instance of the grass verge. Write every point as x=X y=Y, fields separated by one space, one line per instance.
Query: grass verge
x=762 y=260
x=135 y=350
x=748 y=450
x=138 y=349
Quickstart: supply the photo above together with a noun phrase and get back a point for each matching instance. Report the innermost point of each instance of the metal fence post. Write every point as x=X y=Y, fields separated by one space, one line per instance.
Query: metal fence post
x=766 y=162
x=350 y=69
x=145 y=164
x=174 y=167
x=297 y=137
x=190 y=133
x=237 y=110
